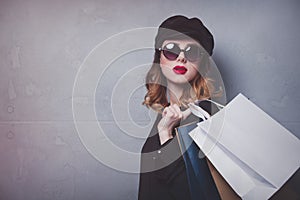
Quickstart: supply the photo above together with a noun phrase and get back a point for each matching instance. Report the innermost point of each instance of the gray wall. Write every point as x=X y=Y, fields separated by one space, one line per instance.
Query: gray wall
x=43 y=43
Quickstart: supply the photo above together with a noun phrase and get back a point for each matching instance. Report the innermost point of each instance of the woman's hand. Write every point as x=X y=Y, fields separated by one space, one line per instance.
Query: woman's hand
x=171 y=116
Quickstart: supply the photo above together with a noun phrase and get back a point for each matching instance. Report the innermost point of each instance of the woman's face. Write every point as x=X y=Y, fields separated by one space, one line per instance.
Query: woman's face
x=181 y=69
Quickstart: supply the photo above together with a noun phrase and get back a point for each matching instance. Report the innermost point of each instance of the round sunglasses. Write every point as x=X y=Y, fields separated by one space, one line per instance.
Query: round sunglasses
x=172 y=50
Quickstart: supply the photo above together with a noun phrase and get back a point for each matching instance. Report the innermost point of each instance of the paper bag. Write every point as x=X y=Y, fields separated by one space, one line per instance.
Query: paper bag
x=253 y=152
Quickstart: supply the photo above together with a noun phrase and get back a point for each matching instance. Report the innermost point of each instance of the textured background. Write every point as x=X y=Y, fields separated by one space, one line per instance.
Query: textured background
x=43 y=43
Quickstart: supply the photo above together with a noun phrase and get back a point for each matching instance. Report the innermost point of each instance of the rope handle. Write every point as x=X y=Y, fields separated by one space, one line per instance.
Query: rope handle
x=200 y=112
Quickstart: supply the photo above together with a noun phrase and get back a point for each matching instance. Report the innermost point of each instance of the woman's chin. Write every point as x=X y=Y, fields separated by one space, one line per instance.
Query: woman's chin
x=179 y=80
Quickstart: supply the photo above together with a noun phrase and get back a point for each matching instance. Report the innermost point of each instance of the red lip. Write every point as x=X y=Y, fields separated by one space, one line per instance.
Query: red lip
x=180 y=69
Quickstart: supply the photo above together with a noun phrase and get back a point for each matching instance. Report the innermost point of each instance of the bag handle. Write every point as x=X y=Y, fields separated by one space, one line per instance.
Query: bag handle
x=200 y=112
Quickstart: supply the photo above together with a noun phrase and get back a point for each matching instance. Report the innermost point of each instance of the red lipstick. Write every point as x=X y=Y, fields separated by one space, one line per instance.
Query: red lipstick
x=180 y=69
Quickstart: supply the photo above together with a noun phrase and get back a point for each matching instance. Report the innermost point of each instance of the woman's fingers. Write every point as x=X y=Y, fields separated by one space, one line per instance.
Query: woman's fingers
x=165 y=111
x=171 y=116
x=177 y=110
x=186 y=113
x=174 y=112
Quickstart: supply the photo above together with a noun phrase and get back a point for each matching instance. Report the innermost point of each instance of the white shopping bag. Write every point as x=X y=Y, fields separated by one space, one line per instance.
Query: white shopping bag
x=253 y=152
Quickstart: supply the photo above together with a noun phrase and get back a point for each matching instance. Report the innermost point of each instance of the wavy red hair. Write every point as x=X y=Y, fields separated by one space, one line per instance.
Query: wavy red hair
x=199 y=88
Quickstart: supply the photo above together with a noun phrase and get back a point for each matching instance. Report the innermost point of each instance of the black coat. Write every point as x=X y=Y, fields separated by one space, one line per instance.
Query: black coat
x=163 y=172
x=161 y=178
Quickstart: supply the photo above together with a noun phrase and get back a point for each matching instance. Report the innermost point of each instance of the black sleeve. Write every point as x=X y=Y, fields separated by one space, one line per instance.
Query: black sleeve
x=156 y=156
x=159 y=164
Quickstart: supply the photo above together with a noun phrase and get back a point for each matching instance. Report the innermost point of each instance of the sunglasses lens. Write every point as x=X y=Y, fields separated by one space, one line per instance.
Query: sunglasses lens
x=170 y=55
x=192 y=53
x=171 y=51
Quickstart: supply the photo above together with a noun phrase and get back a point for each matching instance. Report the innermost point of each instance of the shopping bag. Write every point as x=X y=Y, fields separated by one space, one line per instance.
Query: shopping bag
x=200 y=181
x=253 y=152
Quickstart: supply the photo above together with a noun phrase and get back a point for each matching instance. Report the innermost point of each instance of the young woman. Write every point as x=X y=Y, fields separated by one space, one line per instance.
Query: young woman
x=176 y=78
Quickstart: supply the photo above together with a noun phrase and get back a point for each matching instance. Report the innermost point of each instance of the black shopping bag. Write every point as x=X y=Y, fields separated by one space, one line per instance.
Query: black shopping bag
x=201 y=183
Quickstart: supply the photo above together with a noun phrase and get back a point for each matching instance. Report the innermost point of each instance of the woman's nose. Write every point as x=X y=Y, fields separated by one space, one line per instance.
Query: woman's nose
x=181 y=57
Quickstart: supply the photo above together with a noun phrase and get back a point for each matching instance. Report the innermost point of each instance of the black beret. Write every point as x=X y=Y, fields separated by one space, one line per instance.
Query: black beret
x=178 y=26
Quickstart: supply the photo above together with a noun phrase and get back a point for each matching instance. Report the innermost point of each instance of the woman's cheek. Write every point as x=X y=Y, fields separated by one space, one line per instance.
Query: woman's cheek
x=192 y=74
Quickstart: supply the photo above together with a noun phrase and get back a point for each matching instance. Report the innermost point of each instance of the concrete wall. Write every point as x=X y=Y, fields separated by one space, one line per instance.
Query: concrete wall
x=43 y=44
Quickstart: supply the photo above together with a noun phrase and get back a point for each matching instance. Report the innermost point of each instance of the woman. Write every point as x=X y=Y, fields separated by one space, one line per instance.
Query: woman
x=176 y=78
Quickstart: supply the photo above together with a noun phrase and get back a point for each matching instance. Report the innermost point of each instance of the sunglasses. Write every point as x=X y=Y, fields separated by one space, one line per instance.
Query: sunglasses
x=172 y=50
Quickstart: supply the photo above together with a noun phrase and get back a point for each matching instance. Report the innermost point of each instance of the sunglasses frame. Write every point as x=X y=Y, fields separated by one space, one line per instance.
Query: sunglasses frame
x=163 y=50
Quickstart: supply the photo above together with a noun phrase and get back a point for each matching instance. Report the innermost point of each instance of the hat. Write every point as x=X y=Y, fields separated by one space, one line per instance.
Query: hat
x=178 y=27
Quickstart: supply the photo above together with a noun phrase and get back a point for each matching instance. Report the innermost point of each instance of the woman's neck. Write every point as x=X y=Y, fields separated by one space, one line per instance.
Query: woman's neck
x=175 y=91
